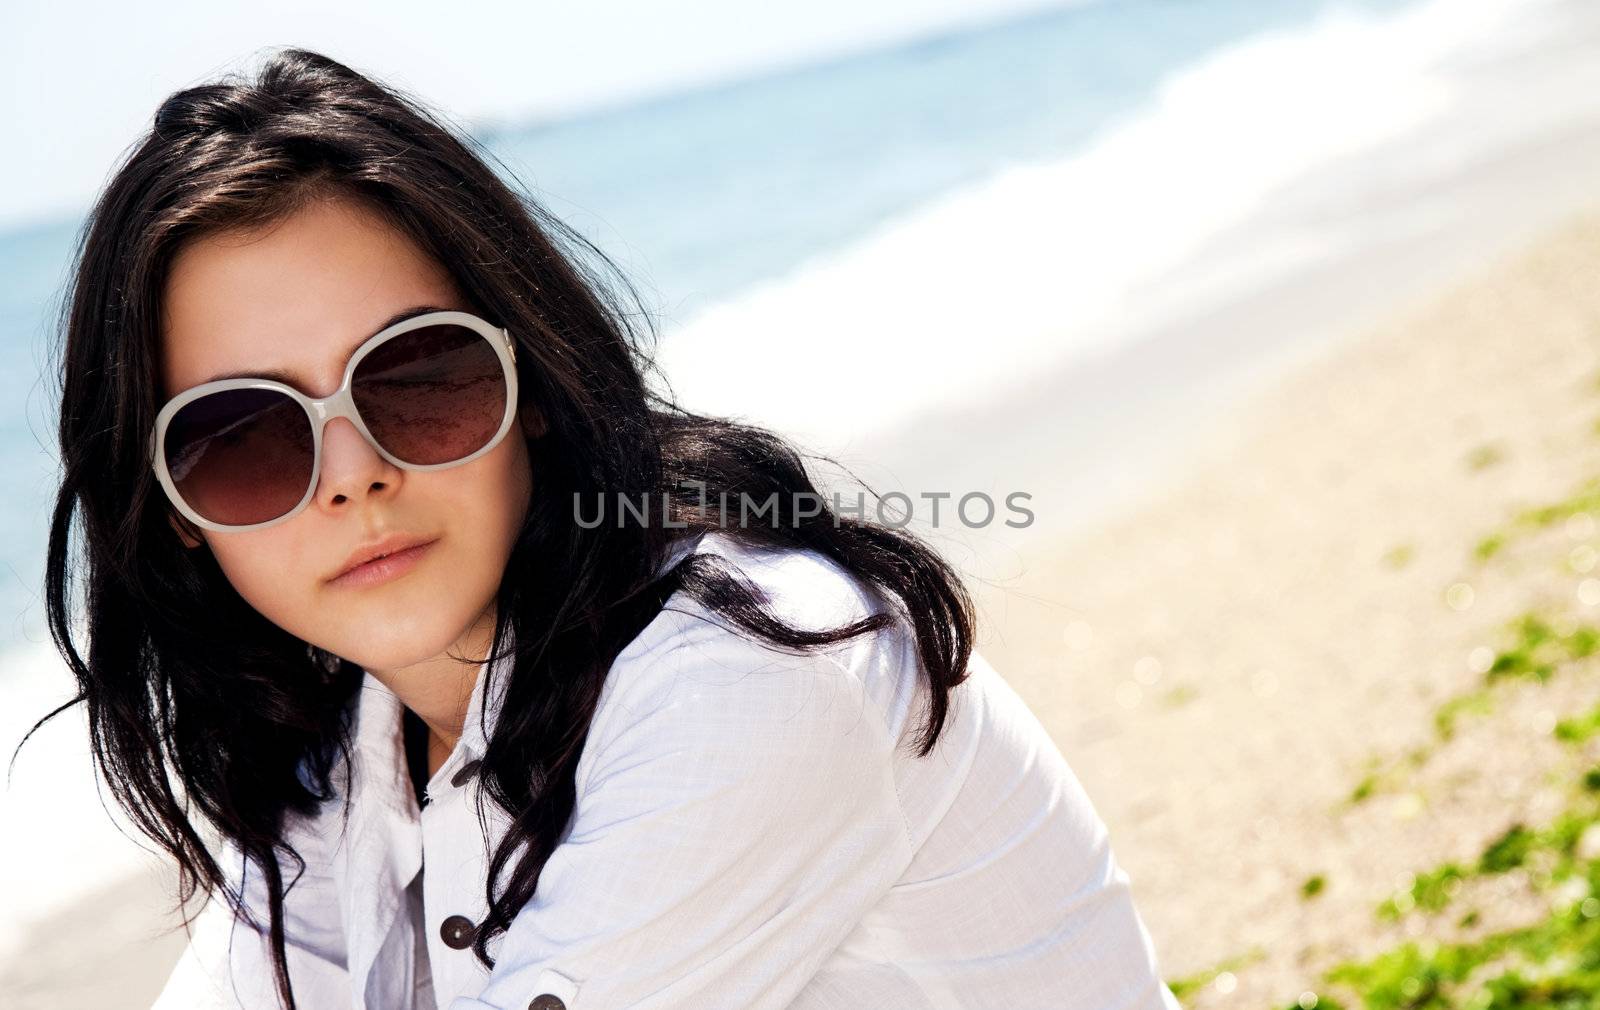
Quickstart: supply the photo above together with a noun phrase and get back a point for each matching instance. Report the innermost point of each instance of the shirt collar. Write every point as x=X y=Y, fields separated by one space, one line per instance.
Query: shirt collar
x=473 y=741
x=381 y=726
x=381 y=730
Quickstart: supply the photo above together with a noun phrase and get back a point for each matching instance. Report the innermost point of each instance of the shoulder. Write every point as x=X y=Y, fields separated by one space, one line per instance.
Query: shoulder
x=692 y=677
x=801 y=585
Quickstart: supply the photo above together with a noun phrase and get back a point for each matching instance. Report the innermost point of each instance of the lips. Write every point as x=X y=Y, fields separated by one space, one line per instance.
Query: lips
x=391 y=544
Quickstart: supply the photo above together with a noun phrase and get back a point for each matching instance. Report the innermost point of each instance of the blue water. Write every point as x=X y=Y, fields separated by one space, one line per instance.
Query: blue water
x=707 y=192
x=699 y=195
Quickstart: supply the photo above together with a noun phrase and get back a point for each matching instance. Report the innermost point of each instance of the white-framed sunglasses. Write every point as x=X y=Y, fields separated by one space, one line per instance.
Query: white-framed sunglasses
x=428 y=393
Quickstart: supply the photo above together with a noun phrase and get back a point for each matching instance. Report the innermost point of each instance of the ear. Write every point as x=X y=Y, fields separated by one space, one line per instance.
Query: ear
x=532 y=421
x=186 y=530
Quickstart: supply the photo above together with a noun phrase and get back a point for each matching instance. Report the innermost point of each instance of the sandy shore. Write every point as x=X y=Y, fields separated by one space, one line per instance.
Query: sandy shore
x=1220 y=661
x=113 y=949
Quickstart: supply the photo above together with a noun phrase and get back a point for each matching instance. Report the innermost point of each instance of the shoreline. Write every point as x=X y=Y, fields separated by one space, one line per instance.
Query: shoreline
x=1113 y=430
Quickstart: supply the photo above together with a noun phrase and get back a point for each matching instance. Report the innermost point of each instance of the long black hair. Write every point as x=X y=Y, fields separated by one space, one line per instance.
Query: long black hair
x=206 y=719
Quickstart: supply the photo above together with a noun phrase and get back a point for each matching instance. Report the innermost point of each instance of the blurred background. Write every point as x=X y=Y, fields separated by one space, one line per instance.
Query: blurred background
x=1285 y=317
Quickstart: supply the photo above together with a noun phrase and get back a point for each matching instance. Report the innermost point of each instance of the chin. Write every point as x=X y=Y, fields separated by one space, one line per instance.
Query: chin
x=391 y=644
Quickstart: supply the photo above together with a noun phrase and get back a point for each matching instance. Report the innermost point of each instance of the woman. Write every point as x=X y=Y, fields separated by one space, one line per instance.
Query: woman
x=339 y=409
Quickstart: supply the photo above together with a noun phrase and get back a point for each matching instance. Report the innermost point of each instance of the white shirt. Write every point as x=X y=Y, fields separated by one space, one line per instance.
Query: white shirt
x=752 y=832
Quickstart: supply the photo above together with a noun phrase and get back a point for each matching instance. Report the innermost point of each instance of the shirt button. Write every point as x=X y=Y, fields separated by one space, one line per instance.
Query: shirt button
x=457 y=932
x=464 y=774
x=545 y=1001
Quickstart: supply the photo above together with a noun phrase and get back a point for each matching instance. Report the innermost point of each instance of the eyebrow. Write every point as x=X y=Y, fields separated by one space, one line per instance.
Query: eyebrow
x=283 y=376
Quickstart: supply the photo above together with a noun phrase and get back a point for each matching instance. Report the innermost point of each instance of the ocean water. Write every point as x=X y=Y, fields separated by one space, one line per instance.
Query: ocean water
x=706 y=194
x=1012 y=189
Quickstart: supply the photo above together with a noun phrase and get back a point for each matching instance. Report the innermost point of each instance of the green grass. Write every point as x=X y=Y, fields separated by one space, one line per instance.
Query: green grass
x=1536 y=651
x=1179 y=695
x=1188 y=985
x=1485 y=455
x=1553 y=961
x=1585 y=499
x=1489 y=546
x=1479 y=701
x=1578 y=729
x=1399 y=555
x=1430 y=892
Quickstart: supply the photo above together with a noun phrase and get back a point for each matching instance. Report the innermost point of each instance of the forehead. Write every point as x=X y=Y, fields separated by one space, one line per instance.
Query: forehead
x=295 y=297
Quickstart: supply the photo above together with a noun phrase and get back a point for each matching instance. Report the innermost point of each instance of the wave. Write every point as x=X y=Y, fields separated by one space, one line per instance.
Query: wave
x=949 y=304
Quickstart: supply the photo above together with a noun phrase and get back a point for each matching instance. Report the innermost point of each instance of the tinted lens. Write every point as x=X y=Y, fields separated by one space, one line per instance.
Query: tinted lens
x=432 y=395
x=241 y=456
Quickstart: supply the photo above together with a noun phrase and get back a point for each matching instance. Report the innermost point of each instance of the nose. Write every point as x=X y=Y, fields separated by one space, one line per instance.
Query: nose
x=352 y=468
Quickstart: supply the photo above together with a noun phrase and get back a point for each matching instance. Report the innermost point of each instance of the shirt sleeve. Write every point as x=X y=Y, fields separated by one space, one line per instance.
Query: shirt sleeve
x=739 y=817
x=227 y=964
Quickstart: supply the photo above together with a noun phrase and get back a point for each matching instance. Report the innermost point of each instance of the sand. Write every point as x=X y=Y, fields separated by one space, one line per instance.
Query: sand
x=1219 y=659
x=1218 y=663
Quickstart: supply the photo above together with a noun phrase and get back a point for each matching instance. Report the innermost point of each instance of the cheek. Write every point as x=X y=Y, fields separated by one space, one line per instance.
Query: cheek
x=263 y=568
x=522 y=478
x=499 y=492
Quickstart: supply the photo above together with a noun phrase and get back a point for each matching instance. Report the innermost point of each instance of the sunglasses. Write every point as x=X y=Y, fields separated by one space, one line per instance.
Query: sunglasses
x=428 y=393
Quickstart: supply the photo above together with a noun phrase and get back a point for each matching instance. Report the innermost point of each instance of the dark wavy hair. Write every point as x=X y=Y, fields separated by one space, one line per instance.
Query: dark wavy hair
x=206 y=719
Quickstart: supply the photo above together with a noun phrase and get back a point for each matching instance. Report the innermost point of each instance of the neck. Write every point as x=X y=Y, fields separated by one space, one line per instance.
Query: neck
x=439 y=689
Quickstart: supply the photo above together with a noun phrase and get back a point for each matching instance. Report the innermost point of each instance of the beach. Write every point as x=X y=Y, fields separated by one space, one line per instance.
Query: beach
x=1221 y=660
x=1224 y=664
x=1298 y=368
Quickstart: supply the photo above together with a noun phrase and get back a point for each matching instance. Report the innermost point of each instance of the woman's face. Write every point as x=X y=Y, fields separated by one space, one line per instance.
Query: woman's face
x=300 y=297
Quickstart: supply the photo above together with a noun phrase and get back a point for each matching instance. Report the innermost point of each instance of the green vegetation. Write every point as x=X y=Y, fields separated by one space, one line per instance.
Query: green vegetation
x=1584 y=500
x=1182 y=694
x=1399 y=555
x=1553 y=962
x=1429 y=892
x=1189 y=984
x=1484 y=455
x=1475 y=702
x=1579 y=729
x=1463 y=960
x=1387 y=775
x=1549 y=964
x=1489 y=546
x=1536 y=651
x=1540 y=648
